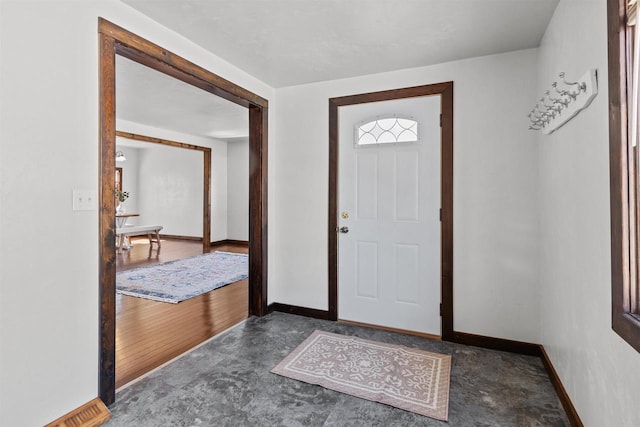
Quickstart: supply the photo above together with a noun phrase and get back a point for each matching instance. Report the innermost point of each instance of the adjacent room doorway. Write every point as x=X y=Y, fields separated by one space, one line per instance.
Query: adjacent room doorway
x=114 y=41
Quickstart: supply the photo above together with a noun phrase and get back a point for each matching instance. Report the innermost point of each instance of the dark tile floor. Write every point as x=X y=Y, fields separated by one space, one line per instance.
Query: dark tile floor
x=226 y=382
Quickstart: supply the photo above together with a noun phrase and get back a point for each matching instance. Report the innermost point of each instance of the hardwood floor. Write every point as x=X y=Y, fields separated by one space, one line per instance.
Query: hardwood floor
x=150 y=333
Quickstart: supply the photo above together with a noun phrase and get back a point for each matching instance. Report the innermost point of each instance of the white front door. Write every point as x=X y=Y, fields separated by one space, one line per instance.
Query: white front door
x=389 y=198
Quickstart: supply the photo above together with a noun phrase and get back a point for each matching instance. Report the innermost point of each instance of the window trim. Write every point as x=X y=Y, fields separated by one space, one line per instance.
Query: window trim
x=623 y=322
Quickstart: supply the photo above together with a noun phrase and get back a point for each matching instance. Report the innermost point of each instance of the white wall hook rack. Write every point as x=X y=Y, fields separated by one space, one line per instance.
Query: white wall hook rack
x=563 y=101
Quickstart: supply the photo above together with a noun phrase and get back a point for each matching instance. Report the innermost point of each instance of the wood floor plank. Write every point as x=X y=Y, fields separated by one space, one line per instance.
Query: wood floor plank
x=150 y=333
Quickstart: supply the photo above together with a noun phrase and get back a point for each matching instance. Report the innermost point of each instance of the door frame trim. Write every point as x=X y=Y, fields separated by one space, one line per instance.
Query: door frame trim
x=115 y=40
x=445 y=90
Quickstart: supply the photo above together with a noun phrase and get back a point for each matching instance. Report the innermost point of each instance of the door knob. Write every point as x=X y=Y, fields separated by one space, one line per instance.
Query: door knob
x=343 y=229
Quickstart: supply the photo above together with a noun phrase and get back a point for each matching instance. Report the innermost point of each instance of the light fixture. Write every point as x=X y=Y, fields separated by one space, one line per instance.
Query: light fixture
x=120 y=156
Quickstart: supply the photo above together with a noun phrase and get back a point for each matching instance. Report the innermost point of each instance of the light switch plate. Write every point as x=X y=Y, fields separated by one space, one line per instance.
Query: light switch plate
x=85 y=200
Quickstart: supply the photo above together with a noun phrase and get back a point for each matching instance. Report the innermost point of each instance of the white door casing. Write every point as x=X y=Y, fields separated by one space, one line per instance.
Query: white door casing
x=389 y=261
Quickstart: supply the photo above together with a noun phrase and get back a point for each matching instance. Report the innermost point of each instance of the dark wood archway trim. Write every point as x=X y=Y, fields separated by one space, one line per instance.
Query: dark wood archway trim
x=150 y=54
x=445 y=90
x=116 y=40
x=206 y=179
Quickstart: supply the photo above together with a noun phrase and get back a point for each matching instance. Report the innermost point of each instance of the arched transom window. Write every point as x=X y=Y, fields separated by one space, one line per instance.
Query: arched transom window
x=387 y=130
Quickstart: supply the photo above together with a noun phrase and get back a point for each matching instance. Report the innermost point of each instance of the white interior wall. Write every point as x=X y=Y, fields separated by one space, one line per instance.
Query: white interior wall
x=171 y=189
x=495 y=176
x=154 y=175
x=49 y=326
x=130 y=179
x=238 y=190
x=599 y=370
x=49 y=322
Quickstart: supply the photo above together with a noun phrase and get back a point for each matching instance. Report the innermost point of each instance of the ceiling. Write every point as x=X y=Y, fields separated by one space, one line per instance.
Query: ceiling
x=146 y=96
x=291 y=42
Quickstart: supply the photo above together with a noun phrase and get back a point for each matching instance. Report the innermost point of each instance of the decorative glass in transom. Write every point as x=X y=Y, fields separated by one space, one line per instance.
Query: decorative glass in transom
x=388 y=130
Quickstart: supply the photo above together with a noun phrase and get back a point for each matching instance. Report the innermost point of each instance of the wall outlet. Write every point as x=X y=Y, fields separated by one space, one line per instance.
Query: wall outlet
x=85 y=200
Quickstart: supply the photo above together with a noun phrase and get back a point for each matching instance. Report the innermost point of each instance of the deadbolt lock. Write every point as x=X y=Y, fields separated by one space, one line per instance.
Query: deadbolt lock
x=345 y=215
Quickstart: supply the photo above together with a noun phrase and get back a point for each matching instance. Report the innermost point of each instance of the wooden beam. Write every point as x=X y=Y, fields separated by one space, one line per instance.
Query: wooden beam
x=162 y=141
x=150 y=54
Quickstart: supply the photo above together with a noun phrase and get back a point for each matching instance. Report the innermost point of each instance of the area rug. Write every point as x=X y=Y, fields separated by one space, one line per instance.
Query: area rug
x=176 y=281
x=406 y=378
